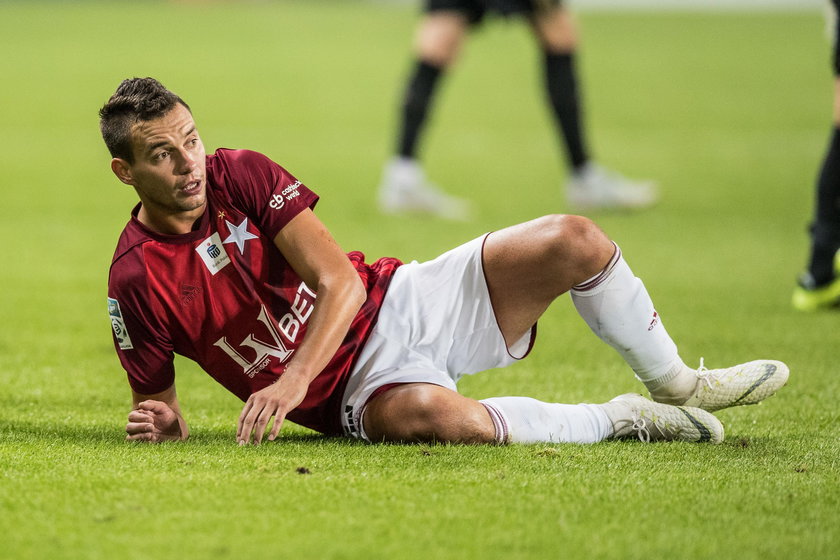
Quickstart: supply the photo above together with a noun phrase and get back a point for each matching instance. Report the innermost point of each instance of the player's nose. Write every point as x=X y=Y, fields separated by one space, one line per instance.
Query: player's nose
x=187 y=162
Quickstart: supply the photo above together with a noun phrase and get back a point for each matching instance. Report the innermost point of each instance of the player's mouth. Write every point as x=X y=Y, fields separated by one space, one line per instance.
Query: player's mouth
x=191 y=188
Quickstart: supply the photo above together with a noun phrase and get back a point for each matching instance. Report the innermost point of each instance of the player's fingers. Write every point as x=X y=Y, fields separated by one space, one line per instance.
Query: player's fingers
x=242 y=416
x=261 y=424
x=138 y=427
x=152 y=406
x=139 y=416
x=145 y=436
x=248 y=425
x=278 y=423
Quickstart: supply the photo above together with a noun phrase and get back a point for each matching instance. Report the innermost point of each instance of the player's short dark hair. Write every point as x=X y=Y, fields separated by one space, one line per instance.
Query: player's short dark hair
x=136 y=100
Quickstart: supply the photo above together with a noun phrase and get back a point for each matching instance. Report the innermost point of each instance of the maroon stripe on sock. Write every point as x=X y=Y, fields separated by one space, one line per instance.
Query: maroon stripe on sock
x=499 y=422
x=599 y=279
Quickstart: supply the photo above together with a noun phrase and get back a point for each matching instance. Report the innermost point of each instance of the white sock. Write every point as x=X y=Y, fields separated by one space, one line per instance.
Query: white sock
x=617 y=307
x=405 y=173
x=526 y=420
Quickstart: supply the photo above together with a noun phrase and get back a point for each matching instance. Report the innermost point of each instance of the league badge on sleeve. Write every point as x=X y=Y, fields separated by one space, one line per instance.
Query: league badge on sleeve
x=117 y=323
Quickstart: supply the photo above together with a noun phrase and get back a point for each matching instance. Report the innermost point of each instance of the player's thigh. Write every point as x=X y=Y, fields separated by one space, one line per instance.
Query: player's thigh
x=425 y=412
x=529 y=265
x=440 y=36
x=555 y=29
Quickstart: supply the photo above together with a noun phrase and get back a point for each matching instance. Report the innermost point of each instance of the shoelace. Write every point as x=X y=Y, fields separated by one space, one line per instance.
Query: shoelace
x=705 y=375
x=640 y=427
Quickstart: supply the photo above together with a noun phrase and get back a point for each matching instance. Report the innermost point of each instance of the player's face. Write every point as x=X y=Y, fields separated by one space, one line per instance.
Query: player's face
x=169 y=170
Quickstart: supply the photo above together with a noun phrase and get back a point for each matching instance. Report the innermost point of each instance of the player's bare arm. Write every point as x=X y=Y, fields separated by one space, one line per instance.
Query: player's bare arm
x=316 y=257
x=156 y=418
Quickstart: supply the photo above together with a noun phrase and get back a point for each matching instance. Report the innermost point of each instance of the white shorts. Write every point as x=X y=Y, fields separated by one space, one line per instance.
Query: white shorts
x=435 y=325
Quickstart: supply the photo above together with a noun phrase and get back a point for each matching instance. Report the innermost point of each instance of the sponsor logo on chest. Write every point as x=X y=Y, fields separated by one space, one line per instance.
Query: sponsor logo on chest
x=287 y=329
x=213 y=253
x=212 y=250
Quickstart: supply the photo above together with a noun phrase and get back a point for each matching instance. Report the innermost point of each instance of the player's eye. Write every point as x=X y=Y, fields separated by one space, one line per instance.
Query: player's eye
x=160 y=156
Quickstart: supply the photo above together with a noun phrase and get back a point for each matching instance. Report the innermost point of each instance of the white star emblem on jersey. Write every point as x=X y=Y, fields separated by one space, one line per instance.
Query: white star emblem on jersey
x=239 y=235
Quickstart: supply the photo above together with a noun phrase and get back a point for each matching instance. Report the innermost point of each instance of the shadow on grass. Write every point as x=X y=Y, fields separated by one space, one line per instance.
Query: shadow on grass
x=41 y=432
x=107 y=434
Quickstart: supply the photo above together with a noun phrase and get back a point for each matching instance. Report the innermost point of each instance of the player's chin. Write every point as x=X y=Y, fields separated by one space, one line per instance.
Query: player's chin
x=192 y=202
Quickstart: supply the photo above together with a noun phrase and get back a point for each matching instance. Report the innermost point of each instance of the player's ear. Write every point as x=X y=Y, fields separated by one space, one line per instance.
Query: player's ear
x=122 y=170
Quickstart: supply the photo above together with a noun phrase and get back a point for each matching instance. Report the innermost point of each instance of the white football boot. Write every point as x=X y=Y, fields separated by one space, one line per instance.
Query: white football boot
x=633 y=415
x=405 y=190
x=594 y=187
x=748 y=383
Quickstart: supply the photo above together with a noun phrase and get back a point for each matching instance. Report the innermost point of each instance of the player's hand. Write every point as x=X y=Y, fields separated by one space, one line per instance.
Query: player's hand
x=153 y=421
x=276 y=400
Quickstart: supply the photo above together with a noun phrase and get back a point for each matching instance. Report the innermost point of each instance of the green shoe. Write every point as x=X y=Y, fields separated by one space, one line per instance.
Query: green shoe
x=824 y=297
x=809 y=298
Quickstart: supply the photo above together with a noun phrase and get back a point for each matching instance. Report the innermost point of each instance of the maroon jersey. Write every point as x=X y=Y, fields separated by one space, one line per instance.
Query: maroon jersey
x=224 y=296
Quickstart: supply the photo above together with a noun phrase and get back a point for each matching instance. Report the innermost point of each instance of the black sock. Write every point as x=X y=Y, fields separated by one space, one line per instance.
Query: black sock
x=561 y=84
x=825 y=231
x=416 y=101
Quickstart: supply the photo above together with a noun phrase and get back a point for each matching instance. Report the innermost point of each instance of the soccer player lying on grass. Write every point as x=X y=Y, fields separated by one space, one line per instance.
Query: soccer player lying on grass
x=222 y=261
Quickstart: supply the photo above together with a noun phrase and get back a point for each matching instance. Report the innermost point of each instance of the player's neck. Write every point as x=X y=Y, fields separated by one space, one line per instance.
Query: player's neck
x=170 y=224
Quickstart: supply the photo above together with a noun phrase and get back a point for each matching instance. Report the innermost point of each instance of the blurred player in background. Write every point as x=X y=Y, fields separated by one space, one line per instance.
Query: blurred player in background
x=440 y=34
x=819 y=285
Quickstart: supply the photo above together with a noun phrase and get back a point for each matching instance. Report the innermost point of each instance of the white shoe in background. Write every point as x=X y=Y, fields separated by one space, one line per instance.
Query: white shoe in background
x=594 y=187
x=405 y=190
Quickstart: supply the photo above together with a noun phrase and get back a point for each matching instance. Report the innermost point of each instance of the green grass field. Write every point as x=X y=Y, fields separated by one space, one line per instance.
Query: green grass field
x=729 y=112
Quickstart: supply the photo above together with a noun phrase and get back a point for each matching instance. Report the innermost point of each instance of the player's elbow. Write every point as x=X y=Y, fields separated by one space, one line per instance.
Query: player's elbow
x=347 y=287
x=357 y=293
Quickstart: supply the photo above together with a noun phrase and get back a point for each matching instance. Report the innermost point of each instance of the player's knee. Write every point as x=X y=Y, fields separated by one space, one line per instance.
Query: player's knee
x=439 y=38
x=427 y=413
x=441 y=55
x=556 y=31
x=439 y=415
x=573 y=240
x=423 y=414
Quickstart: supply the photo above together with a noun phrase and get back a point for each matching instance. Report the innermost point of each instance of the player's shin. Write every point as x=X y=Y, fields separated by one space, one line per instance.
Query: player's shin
x=526 y=420
x=617 y=307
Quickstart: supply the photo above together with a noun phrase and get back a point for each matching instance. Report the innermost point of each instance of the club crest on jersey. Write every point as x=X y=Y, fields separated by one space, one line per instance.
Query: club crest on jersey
x=117 y=323
x=239 y=235
x=213 y=253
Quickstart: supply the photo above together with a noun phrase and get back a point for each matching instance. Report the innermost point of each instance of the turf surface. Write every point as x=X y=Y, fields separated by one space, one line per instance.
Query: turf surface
x=728 y=112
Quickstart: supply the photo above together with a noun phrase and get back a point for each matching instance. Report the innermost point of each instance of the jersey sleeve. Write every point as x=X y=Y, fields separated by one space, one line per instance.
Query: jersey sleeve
x=144 y=349
x=265 y=191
